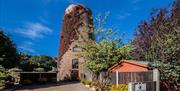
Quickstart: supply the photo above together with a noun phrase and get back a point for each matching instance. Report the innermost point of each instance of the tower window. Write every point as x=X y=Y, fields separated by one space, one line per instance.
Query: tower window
x=76 y=49
x=75 y=64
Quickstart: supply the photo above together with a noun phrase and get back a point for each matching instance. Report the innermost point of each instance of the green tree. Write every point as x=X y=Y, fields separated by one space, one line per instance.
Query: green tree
x=30 y=62
x=8 y=52
x=105 y=50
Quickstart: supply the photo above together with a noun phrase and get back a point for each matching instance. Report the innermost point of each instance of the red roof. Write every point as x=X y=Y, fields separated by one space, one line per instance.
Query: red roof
x=133 y=62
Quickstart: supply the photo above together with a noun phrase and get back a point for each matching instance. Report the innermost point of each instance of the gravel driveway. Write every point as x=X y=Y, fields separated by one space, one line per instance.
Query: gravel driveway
x=68 y=86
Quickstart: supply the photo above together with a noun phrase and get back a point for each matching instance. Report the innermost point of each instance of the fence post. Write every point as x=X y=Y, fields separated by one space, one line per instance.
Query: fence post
x=100 y=76
x=130 y=86
x=156 y=78
x=117 y=78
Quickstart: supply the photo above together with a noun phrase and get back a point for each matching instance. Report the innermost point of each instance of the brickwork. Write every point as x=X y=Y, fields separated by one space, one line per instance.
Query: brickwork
x=72 y=35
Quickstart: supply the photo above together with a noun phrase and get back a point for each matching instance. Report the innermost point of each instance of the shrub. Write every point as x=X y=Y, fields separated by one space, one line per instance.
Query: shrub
x=3 y=77
x=86 y=82
x=39 y=70
x=2 y=68
x=14 y=70
x=82 y=81
x=2 y=82
x=92 y=84
x=121 y=87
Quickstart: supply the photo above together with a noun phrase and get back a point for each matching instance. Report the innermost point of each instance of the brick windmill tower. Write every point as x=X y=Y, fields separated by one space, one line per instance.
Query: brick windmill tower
x=77 y=27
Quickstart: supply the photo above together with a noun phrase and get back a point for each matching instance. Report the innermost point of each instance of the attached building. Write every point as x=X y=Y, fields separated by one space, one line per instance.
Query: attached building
x=130 y=66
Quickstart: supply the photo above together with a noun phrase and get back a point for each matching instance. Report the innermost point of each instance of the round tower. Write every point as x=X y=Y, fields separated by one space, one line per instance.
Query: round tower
x=76 y=28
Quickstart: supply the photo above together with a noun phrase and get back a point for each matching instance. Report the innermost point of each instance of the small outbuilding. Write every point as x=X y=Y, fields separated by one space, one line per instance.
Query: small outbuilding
x=130 y=66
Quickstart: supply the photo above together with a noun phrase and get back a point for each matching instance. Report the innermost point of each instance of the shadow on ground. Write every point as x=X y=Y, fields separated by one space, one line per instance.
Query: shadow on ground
x=46 y=85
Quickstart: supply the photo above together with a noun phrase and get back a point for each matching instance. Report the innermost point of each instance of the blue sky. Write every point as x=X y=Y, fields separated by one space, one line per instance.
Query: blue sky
x=35 y=25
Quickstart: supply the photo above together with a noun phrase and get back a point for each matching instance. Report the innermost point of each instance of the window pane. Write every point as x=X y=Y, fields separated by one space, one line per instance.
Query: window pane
x=75 y=64
x=76 y=49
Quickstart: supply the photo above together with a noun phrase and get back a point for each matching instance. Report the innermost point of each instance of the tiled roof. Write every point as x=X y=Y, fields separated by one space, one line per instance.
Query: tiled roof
x=134 y=62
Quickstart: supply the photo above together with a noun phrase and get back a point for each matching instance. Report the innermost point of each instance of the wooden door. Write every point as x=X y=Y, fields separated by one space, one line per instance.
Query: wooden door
x=75 y=75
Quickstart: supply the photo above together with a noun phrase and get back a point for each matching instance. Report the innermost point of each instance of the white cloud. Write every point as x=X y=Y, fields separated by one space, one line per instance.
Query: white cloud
x=43 y=20
x=34 y=30
x=123 y=16
x=27 y=46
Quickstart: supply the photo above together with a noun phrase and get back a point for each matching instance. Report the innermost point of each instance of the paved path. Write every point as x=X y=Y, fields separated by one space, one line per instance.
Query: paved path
x=56 y=87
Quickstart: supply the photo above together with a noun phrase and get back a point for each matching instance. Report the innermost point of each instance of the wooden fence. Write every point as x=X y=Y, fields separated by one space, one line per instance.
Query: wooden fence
x=133 y=79
x=127 y=77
